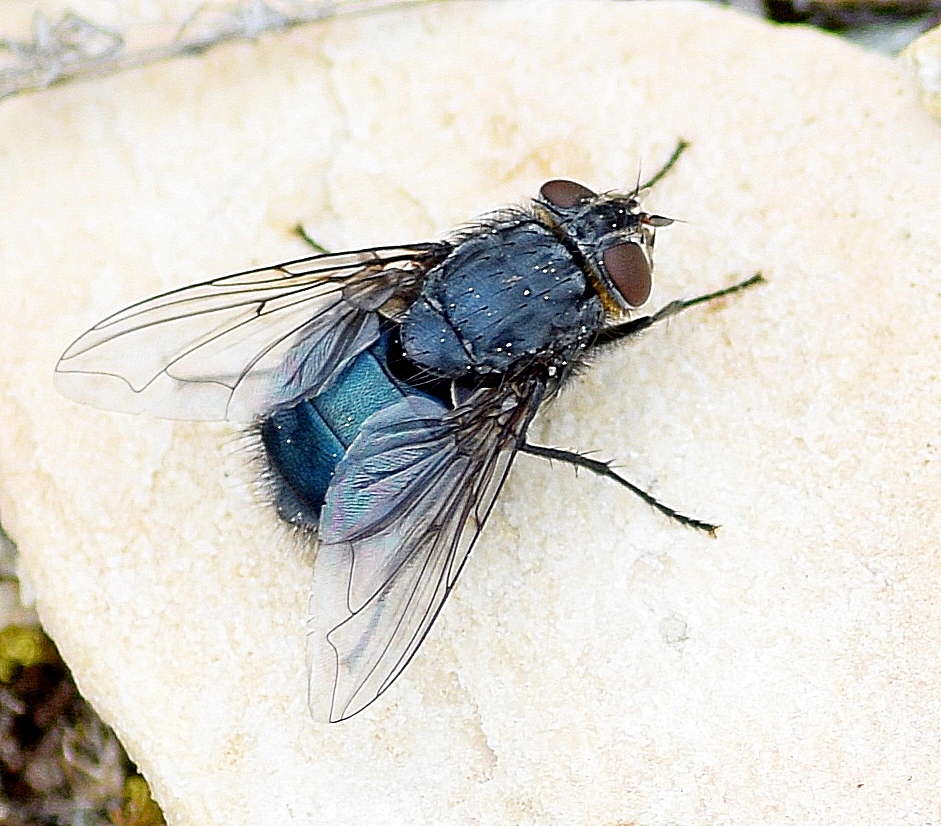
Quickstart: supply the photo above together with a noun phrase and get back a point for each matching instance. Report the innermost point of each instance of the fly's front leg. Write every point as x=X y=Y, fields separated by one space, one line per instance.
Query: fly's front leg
x=611 y=336
x=681 y=147
x=604 y=469
x=629 y=328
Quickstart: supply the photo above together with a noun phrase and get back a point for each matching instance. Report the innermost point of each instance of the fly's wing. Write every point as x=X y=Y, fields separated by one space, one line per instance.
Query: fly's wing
x=239 y=346
x=401 y=516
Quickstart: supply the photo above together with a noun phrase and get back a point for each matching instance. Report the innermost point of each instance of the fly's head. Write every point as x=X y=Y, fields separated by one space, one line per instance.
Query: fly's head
x=609 y=234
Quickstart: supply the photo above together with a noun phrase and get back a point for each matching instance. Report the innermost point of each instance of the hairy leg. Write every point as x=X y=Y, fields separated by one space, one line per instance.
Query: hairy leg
x=629 y=328
x=604 y=469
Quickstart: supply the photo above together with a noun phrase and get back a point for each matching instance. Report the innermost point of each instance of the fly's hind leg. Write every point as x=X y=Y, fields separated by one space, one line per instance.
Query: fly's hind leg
x=604 y=469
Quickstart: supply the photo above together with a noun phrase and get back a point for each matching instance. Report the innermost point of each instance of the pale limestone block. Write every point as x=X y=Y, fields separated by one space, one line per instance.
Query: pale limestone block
x=924 y=58
x=597 y=663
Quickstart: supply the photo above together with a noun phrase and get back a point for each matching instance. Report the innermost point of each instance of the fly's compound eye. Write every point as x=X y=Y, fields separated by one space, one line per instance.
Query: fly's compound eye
x=564 y=194
x=628 y=270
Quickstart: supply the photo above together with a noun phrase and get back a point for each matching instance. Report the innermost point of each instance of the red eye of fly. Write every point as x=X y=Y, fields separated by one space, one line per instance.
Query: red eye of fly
x=627 y=267
x=564 y=194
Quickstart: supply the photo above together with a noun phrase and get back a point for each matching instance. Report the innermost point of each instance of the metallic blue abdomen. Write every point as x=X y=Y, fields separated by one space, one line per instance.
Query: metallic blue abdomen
x=305 y=442
x=500 y=298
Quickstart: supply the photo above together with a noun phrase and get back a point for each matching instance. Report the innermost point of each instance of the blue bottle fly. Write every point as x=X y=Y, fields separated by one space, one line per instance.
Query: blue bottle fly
x=391 y=389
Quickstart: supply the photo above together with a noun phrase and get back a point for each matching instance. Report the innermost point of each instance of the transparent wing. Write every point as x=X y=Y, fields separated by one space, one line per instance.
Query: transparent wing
x=238 y=346
x=401 y=516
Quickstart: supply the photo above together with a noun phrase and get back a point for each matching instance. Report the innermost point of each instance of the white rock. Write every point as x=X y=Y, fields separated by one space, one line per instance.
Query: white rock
x=923 y=57
x=597 y=663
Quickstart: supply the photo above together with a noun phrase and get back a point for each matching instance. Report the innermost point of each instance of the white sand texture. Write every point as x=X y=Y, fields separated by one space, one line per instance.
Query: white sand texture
x=597 y=664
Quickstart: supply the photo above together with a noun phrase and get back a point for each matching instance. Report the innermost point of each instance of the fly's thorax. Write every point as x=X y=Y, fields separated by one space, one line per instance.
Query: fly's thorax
x=508 y=294
x=609 y=235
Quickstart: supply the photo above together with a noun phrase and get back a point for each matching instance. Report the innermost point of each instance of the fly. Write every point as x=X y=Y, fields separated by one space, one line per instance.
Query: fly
x=391 y=389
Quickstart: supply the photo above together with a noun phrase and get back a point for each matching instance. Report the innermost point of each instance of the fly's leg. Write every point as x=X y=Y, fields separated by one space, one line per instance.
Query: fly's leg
x=681 y=147
x=302 y=234
x=636 y=325
x=611 y=336
x=604 y=469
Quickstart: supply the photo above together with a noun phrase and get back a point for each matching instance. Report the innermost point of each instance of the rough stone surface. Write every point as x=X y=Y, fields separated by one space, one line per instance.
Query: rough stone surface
x=597 y=664
x=924 y=58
